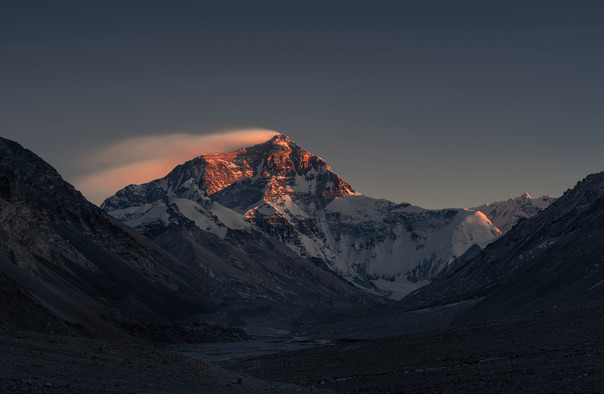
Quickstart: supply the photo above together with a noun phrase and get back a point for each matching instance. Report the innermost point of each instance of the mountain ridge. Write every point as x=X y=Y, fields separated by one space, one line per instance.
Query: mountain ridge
x=551 y=260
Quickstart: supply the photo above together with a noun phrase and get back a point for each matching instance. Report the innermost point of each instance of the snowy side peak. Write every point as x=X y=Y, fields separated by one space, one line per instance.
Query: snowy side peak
x=505 y=214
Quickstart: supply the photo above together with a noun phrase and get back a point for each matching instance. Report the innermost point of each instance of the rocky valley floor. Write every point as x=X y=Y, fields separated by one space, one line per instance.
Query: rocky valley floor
x=551 y=351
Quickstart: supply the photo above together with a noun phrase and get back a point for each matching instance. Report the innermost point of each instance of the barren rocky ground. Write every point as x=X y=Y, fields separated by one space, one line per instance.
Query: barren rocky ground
x=556 y=351
x=34 y=363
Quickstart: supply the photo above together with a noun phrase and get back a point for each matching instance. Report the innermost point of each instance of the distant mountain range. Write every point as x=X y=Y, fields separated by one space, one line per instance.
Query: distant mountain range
x=280 y=190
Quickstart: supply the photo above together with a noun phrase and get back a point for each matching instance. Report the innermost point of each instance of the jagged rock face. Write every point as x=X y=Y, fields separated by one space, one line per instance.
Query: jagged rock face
x=554 y=259
x=282 y=190
x=505 y=214
x=275 y=167
x=279 y=162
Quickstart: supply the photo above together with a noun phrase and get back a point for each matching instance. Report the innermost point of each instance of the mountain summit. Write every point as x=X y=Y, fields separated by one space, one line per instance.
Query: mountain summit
x=270 y=171
x=282 y=163
x=281 y=190
x=281 y=166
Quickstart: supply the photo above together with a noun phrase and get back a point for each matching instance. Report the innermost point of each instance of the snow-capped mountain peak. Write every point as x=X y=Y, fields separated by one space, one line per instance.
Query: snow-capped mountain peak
x=282 y=190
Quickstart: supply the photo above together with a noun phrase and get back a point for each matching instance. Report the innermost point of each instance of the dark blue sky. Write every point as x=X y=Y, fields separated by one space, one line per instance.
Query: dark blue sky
x=440 y=103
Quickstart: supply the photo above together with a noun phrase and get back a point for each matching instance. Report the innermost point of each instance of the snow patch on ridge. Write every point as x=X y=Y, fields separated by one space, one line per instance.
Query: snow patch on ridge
x=476 y=228
x=143 y=215
x=202 y=218
x=230 y=218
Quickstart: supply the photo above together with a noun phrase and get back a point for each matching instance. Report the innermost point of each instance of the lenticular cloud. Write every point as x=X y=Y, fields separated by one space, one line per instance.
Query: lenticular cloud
x=142 y=159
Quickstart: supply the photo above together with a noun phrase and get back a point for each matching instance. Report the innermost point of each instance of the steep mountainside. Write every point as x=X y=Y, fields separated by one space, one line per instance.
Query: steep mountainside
x=552 y=260
x=283 y=191
x=505 y=214
x=260 y=279
x=71 y=258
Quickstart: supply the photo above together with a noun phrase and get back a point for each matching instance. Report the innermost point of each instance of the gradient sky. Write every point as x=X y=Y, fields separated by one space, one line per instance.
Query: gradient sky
x=438 y=103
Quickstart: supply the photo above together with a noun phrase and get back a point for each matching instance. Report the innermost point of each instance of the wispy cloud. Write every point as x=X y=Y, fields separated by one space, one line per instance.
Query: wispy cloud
x=142 y=159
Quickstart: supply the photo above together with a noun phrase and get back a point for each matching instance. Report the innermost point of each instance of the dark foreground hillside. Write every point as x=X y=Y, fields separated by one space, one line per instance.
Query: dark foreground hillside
x=554 y=351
